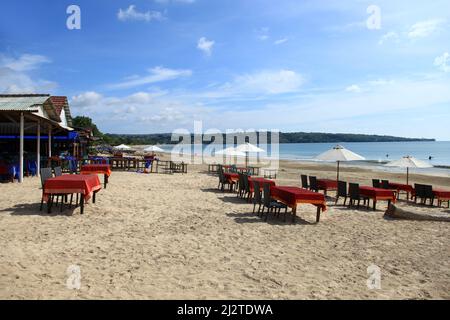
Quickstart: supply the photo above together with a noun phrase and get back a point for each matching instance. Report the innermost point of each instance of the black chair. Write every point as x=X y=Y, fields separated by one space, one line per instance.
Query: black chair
x=313 y=184
x=58 y=171
x=355 y=195
x=257 y=199
x=376 y=183
x=428 y=193
x=46 y=173
x=240 y=186
x=304 y=179
x=248 y=193
x=341 y=191
x=223 y=181
x=270 y=204
x=385 y=184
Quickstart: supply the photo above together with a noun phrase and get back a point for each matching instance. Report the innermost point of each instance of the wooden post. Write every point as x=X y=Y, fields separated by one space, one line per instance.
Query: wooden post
x=407 y=175
x=38 y=149
x=49 y=141
x=21 y=147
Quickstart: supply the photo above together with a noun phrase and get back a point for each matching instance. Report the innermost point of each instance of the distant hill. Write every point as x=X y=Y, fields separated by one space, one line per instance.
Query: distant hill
x=285 y=137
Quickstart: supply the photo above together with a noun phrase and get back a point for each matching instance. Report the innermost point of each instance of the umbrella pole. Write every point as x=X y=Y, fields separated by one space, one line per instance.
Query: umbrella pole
x=407 y=175
x=338 y=170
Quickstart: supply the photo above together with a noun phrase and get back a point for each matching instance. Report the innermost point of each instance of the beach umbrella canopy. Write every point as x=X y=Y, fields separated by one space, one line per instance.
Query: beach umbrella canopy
x=122 y=147
x=153 y=149
x=409 y=162
x=338 y=154
x=247 y=148
x=231 y=152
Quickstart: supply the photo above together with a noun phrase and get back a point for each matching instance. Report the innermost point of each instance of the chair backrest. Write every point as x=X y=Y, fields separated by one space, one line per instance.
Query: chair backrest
x=46 y=173
x=246 y=183
x=419 y=190
x=385 y=184
x=304 y=179
x=342 y=189
x=221 y=175
x=428 y=191
x=353 y=190
x=241 y=182
x=313 y=182
x=376 y=183
x=266 y=195
x=257 y=189
x=58 y=171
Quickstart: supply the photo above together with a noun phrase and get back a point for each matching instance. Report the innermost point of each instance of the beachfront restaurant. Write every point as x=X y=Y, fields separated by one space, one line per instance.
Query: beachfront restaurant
x=33 y=127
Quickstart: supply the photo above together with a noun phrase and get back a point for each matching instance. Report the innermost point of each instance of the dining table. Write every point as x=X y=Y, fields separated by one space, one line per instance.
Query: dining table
x=104 y=169
x=87 y=185
x=378 y=194
x=292 y=196
x=327 y=185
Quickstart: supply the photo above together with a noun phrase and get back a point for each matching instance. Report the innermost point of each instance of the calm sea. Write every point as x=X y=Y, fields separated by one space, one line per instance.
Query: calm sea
x=377 y=153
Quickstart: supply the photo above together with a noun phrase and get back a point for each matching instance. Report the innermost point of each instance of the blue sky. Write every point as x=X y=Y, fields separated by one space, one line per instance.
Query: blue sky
x=157 y=65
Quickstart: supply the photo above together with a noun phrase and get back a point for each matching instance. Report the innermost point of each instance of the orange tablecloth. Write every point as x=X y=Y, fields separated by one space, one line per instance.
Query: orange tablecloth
x=327 y=184
x=96 y=169
x=72 y=183
x=377 y=193
x=291 y=196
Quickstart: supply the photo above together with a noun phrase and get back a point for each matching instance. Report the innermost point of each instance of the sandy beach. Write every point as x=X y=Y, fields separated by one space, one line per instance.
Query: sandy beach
x=161 y=236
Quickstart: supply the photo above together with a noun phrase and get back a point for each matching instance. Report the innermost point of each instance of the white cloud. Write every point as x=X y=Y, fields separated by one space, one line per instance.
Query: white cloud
x=205 y=45
x=269 y=82
x=281 y=41
x=353 y=88
x=86 y=100
x=15 y=74
x=132 y=14
x=157 y=74
x=263 y=34
x=425 y=28
x=389 y=36
x=443 y=62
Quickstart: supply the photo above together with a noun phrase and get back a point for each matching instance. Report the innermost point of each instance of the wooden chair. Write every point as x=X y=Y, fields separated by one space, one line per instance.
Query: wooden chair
x=376 y=183
x=355 y=195
x=271 y=204
x=304 y=179
x=313 y=184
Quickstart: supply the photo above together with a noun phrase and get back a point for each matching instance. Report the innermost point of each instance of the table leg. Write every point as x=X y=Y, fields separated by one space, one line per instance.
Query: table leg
x=81 y=203
x=49 y=203
x=93 y=196
x=318 y=214
x=106 y=180
x=294 y=214
x=374 y=204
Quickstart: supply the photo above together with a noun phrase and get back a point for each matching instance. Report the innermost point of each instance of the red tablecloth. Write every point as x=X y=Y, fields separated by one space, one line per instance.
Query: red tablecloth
x=72 y=183
x=441 y=194
x=377 y=193
x=327 y=184
x=231 y=176
x=4 y=170
x=291 y=196
x=96 y=168
x=401 y=187
x=261 y=182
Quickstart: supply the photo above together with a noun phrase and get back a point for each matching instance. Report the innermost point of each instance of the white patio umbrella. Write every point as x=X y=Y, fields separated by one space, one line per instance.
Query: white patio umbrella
x=409 y=162
x=339 y=154
x=247 y=148
x=231 y=152
x=122 y=147
x=153 y=149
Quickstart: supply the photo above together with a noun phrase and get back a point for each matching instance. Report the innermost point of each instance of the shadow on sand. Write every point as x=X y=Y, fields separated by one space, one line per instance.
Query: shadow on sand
x=32 y=209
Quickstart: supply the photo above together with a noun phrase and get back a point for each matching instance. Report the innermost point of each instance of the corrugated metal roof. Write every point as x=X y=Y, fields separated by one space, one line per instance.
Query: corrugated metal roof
x=22 y=103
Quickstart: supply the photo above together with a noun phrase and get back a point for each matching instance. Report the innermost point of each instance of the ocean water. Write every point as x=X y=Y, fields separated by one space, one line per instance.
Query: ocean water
x=376 y=153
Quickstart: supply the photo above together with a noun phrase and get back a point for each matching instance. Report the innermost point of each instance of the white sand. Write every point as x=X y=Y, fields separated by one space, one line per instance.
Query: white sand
x=175 y=236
